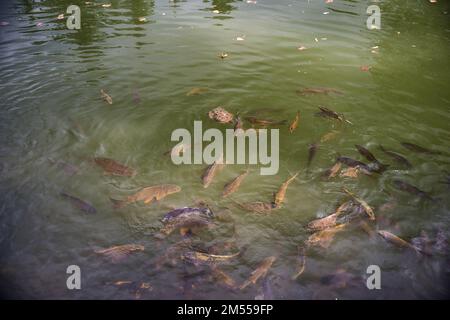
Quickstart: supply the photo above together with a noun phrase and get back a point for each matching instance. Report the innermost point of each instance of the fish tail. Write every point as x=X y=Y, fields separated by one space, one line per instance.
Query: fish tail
x=117 y=204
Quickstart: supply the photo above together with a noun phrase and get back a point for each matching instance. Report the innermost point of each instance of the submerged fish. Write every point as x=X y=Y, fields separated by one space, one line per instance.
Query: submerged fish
x=355 y=164
x=363 y=203
x=398 y=158
x=196 y=91
x=333 y=171
x=279 y=196
x=392 y=238
x=294 y=123
x=375 y=165
x=223 y=278
x=181 y=213
x=68 y=168
x=265 y=292
x=187 y=225
x=259 y=272
x=324 y=237
x=106 y=97
x=418 y=149
x=257 y=207
x=319 y=90
x=302 y=263
x=118 y=253
x=404 y=186
x=312 y=149
x=234 y=184
x=329 y=136
x=113 y=167
x=265 y=122
x=148 y=194
x=210 y=173
x=78 y=203
x=330 y=220
x=197 y=258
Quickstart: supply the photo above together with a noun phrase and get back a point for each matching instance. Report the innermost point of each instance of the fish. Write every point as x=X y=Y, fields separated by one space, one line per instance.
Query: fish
x=363 y=203
x=178 y=150
x=148 y=194
x=404 y=186
x=238 y=124
x=223 y=278
x=392 y=238
x=302 y=263
x=210 y=173
x=118 y=253
x=418 y=149
x=325 y=112
x=113 y=167
x=196 y=257
x=330 y=220
x=397 y=157
x=259 y=272
x=324 y=237
x=376 y=165
x=257 y=207
x=355 y=164
x=106 y=97
x=196 y=91
x=294 y=123
x=340 y=279
x=186 y=225
x=332 y=172
x=318 y=90
x=232 y=186
x=185 y=212
x=329 y=136
x=312 y=149
x=79 y=204
x=265 y=122
x=279 y=196
x=350 y=172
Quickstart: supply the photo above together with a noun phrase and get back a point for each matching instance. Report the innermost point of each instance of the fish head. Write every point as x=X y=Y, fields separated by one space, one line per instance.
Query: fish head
x=208 y=212
x=172 y=188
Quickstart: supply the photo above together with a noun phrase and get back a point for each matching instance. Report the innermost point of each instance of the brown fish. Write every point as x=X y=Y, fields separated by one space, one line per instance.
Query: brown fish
x=397 y=157
x=210 y=173
x=196 y=91
x=118 y=253
x=257 y=207
x=78 y=203
x=294 y=123
x=319 y=90
x=404 y=186
x=302 y=263
x=259 y=272
x=323 y=238
x=148 y=194
x=330 y=220
x=329 y=136
x=279 y=196
x=392 y=238
x=265 y=122
x=363 y=203
x=223 y=278
x=186 y=225
x=312 y=149
x=350 y=172
x=234 y=184
x=197 y=257
x=106 y=97
x=418 y=149
x=375 y=165
x=113 y=167
x=333 y=171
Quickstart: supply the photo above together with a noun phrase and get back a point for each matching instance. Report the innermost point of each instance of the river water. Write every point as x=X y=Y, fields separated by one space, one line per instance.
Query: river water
x=393 y=84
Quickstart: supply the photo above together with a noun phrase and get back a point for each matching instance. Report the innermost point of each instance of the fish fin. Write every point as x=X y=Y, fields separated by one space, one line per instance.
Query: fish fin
x=117 y=204
x=154 y=199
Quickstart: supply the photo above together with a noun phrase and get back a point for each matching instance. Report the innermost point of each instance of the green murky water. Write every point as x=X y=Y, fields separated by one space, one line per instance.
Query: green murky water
x=51 y=108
